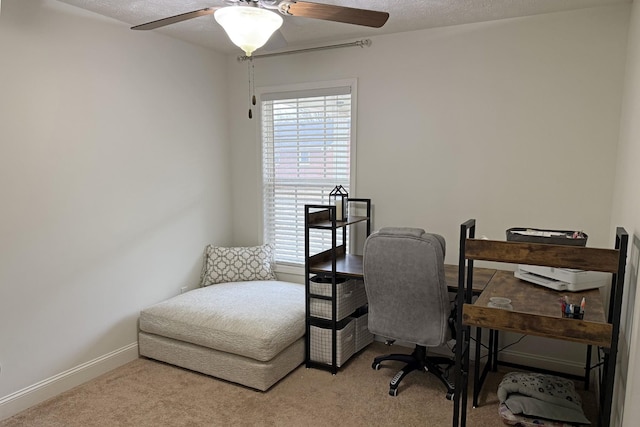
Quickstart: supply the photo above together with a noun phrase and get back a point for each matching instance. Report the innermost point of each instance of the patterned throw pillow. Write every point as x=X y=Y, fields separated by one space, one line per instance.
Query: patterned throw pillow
x=237 y=264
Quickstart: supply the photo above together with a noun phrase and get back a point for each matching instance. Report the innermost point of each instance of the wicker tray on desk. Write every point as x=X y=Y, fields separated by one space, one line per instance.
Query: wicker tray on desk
x=566 y=237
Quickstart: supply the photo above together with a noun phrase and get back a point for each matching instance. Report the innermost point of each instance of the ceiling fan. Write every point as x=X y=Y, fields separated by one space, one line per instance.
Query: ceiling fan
x=250 y=23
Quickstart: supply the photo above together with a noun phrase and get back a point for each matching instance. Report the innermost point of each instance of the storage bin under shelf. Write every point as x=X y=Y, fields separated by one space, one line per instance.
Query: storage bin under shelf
x=350 y=295
x=363 y=336
x=321 y=343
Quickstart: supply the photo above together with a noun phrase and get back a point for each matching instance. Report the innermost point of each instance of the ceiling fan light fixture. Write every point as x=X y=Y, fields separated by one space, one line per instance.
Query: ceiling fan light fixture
x=248 y=27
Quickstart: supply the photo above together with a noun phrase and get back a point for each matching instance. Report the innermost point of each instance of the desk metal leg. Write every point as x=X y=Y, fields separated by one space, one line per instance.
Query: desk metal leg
x=477 y=383
x=462 y=376
x=587 y=369
x=462 y=380
x=606 y=388
x=465 y=368
x=491 y=365
x=494 y=351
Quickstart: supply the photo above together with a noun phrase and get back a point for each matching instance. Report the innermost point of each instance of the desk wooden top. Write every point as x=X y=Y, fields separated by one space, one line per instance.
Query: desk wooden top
x=346 y=264
x=481 y=277
x=351 y=266
x=535 y=310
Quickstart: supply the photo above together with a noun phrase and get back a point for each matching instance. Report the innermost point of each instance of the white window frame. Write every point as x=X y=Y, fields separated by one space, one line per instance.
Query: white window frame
x=302 y=88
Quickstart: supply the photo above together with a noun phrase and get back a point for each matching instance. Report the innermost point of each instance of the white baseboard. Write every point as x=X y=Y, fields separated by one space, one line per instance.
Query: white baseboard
x=50 y=387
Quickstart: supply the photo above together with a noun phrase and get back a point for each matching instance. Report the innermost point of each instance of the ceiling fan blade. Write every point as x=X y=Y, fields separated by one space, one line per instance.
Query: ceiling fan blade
x=348 y=15
x=174 y=19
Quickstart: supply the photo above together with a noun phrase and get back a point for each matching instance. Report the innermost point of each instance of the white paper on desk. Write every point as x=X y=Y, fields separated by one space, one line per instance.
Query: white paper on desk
x=538 y=233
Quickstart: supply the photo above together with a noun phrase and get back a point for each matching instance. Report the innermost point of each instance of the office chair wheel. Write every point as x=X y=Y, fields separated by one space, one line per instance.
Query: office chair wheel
x=450 y=395
x=393 y=392
x=376 y=366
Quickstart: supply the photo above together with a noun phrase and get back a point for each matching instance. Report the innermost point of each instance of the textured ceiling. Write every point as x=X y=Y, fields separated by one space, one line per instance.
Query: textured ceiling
x=405 y=15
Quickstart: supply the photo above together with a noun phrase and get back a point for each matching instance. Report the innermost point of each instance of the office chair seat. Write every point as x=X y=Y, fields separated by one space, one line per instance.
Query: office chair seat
x=408 y=299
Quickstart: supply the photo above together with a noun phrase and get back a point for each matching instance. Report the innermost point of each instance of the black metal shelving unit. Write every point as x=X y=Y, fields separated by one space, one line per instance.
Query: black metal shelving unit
x=334 y=263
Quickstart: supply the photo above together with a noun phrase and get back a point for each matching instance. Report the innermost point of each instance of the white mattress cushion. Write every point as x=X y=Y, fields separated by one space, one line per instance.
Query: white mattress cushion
x=256 y=319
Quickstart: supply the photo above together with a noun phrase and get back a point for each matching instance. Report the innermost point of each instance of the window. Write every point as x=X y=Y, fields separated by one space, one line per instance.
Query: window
x=306 y=151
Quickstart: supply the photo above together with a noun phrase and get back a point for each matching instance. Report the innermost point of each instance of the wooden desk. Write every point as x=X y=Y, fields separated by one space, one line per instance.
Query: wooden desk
x=535 y=310
x=351 y=266
x=481 y=277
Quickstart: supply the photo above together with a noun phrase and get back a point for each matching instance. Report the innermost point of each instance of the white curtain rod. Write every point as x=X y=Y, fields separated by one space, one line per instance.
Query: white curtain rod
x=359 y=43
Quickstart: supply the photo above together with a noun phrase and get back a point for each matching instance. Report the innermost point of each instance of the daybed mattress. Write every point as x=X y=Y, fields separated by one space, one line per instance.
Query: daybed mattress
x=255 y=319
x=251 y=333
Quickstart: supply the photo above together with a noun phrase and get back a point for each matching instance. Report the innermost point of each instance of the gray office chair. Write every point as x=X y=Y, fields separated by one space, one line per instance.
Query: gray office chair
x=408 y=298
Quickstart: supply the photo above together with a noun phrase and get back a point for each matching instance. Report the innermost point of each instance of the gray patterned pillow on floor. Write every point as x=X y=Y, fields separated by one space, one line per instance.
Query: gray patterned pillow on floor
x=541 y=395
x=237 y=264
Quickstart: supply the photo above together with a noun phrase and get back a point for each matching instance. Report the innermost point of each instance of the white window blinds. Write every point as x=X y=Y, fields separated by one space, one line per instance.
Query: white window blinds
x=306 y=152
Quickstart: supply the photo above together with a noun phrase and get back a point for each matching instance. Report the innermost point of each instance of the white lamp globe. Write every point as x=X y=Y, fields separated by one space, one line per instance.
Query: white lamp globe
x=248 y=27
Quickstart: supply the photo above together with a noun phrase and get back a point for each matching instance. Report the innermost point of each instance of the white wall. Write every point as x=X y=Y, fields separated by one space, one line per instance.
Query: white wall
x=113 y=177
x=627 y=213
x=114 y=154
x=512 y=122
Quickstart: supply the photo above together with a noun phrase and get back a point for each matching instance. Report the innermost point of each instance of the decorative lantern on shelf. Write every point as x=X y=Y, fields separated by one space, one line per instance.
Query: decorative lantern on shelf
x=339 y=197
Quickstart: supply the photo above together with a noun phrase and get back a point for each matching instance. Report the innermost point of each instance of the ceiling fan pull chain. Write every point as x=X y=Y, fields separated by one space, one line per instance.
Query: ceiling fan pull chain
x=250 y=73
x=253 y=84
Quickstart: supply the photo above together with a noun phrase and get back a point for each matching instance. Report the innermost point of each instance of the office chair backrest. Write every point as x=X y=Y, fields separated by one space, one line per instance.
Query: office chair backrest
x=405 y=285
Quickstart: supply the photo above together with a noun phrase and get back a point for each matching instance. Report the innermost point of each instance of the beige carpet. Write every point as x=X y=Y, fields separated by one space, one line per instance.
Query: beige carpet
x=149 y=393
